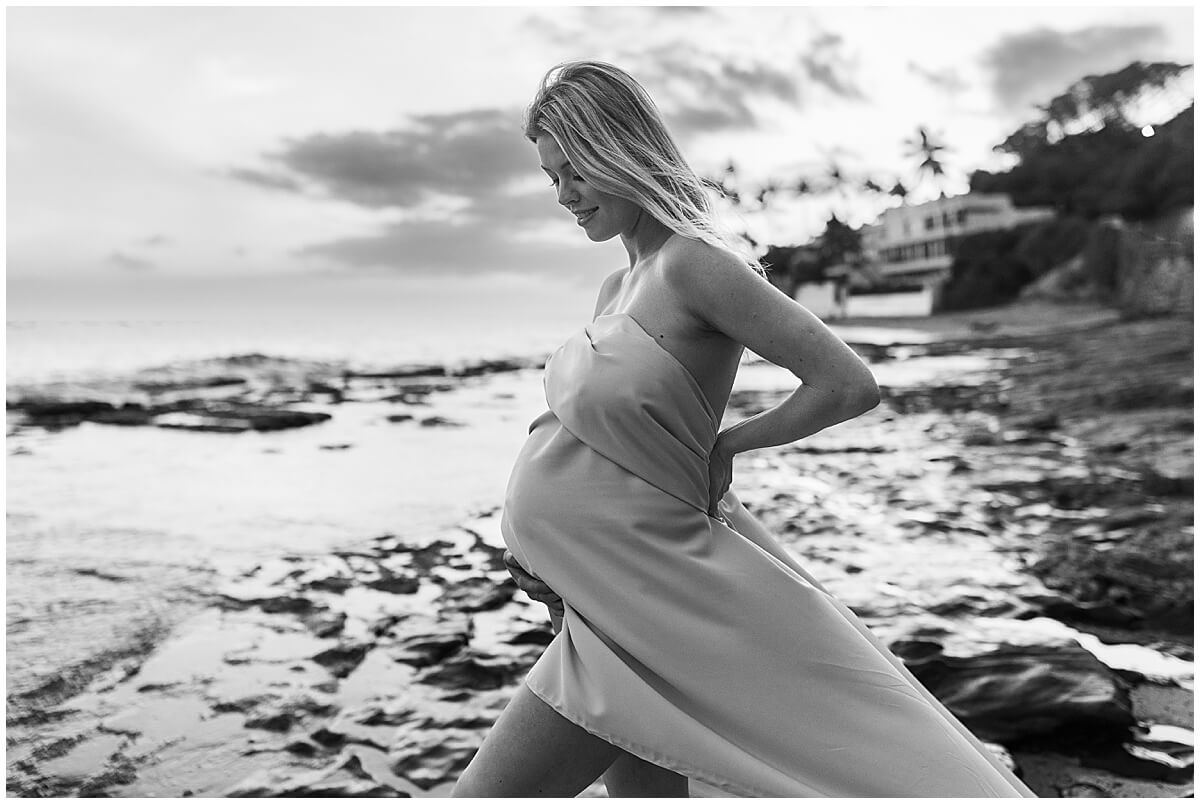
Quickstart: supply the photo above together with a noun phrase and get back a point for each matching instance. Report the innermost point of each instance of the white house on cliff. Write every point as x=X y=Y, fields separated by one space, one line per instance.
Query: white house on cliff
x=912 y=246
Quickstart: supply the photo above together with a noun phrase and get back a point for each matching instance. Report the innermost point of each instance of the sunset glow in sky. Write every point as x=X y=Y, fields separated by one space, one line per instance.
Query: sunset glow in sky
x=259 y=141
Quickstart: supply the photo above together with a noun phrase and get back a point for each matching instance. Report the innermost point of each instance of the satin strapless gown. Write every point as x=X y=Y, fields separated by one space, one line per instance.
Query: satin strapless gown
x=699 y=643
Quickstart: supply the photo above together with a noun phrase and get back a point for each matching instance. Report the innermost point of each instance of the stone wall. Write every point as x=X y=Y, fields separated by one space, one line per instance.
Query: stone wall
x=1155 y=266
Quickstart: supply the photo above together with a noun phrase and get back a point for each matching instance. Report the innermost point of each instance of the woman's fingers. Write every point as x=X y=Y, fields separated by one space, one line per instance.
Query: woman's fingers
x=530 y=584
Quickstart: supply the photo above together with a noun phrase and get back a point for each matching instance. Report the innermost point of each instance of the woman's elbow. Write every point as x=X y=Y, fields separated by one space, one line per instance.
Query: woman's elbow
x=862 y=394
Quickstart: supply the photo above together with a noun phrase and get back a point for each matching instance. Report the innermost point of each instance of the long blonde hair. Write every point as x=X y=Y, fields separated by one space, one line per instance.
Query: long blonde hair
x=615 y=137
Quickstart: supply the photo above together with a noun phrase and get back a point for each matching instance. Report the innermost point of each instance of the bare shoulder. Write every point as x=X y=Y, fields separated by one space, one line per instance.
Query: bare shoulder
x=608 y=289
x=707 y=279
x=730 y=297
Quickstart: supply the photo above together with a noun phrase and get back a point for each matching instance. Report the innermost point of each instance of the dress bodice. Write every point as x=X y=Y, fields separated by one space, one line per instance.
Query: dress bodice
x=619 y=391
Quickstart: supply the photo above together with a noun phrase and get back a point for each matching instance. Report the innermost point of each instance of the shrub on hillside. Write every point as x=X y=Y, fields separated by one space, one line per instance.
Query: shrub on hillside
x=987 y=270
x=992 y=268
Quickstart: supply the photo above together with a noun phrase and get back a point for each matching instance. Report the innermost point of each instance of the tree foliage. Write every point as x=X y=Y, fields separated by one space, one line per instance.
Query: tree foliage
x=1085 y=155
x=789 y=266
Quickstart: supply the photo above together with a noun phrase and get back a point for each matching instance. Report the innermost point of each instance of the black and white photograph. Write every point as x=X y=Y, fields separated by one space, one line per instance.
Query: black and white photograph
x=600 y=401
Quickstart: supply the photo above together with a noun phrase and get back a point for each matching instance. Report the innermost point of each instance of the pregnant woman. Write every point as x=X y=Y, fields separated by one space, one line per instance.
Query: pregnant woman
x=690 y=644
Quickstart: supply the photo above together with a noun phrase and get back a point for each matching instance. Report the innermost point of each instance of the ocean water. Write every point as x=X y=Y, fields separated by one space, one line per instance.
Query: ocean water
x=67 y=330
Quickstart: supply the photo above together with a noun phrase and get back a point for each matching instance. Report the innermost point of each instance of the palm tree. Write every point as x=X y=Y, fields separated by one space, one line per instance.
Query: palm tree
x=929 y=151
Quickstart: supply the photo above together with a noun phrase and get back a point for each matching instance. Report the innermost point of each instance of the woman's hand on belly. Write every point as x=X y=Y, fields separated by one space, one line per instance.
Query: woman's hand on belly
x=534 y=587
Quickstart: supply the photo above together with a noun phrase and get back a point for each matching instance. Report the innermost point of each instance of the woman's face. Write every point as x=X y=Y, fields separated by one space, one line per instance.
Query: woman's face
x=601 y=215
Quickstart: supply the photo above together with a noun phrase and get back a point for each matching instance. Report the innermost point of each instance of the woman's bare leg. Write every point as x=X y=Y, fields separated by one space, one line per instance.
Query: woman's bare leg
x=634 y=777
x=532 y=751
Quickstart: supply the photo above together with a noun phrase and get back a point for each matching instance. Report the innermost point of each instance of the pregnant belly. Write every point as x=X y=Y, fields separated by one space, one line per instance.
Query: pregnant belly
x=562 y=492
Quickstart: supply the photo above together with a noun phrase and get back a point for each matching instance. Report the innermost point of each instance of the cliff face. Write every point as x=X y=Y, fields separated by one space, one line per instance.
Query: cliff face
x=1155 y=266
x=1142 y=268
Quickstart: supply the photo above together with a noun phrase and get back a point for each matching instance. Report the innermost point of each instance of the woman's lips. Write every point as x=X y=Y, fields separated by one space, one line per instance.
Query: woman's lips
x=583 y=217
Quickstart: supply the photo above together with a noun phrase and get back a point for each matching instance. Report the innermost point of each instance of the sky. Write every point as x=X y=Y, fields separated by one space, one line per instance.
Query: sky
x=265 y=141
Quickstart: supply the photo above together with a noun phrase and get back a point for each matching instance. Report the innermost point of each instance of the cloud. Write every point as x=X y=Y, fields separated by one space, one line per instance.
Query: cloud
x=701 y=92
x=471 y=153
x=827 y=65
x=457 y=190
x=682 y=11
x=1036 y=65
x=263 y=178
x=947 y=80
x=699 y=69
x=442 y=247
x=129 y=262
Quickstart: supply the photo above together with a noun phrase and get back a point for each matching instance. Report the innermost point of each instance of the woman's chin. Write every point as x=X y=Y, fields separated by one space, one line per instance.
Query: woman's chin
x=599 y=236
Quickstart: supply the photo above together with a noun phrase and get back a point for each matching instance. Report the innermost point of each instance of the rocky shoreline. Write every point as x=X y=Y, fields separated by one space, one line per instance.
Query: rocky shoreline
x=1020 y=534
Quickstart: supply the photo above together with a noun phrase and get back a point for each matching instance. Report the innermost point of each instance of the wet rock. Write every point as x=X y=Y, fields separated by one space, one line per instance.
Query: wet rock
x=1064 y=608
x=426 y=649
x=440 y=421
x=982 y=434
x=1171 y=748
x=345 y=779
x=472 y=670
x=400 y=372
x=371 y=725
x=60 y=412
x=128 y=415
x=1019 y=691
x=430 y=758
x=341 y=660
x=1043 y=421
x=274 y=721
x=334 y=394
x=1132 y=516
x=479 y=594
x=168 y=386
x=426 y=557
x=232 y=418
x=283 y=602
x=1170 y=475
x=487 y=367
x=278 y=714
x=394 y=584
x=1161 y=753
x=244 y=704
x=120 y=770
x=324 y=623
x=1147 y=577
x=1006 y=758
x=1083 y=790
x=303 y=748
x=542 y=635
x=328 y=738
x=946 y=398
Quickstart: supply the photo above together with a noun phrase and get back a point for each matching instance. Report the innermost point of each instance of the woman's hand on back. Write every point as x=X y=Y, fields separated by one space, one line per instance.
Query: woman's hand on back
x=720 y=476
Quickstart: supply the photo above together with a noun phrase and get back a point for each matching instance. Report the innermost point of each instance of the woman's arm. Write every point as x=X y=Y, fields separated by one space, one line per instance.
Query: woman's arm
x=731 y=297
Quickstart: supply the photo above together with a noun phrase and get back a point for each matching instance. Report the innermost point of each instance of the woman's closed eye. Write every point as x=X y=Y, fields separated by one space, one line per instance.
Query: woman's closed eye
x=554 y=182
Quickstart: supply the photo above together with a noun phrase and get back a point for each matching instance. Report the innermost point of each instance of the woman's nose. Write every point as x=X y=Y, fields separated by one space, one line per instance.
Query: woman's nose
x=565 y=194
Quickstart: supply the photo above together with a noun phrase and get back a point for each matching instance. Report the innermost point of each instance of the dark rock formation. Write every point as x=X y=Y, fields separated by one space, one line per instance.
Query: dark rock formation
x=341 y=660
x=470 y=670
x=1016 y=692
x=346 y=779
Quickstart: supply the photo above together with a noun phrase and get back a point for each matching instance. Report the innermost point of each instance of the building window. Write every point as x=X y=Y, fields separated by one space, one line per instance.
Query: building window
x=929 y=223
x=962 y=216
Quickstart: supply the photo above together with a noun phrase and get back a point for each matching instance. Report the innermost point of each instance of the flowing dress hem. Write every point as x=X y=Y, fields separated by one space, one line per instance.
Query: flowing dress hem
x=649 y=755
